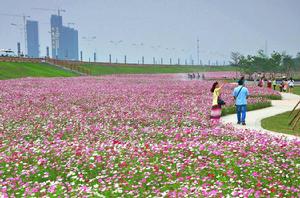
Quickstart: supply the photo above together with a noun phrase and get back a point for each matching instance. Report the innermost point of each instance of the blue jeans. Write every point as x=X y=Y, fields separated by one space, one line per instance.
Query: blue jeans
x=241 y=113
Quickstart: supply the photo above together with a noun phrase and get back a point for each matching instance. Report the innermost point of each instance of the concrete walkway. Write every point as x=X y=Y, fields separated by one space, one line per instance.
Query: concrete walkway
x=253 y=119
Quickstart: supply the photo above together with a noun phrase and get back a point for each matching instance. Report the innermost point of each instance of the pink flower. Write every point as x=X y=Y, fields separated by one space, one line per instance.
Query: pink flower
x=184 y=189
x=213 y=193
x=35 y=190
x=217 y=152
x=255 y=174
x=201 y=147
x=52 y=189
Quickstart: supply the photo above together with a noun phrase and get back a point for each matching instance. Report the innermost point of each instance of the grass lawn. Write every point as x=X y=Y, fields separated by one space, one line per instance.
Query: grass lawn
x=149 y=69
x=10 y=70
x=296 y=90
x=279 y=123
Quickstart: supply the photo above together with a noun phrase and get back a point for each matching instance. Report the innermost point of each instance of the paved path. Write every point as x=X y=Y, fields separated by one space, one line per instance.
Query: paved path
x=254 y=118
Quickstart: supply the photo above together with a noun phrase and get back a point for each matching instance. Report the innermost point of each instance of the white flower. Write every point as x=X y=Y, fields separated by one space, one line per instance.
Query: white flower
x=96 y=186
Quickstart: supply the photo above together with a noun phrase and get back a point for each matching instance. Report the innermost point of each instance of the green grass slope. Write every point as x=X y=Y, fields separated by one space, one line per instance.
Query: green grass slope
x=149 y=69
x=296 y=90
x=10 y=70
x=279 y=123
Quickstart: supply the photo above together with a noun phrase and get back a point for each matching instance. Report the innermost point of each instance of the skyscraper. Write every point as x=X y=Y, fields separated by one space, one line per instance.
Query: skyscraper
x=56 y=26
x=64 y=40
x=68 y=49
x=32 y=39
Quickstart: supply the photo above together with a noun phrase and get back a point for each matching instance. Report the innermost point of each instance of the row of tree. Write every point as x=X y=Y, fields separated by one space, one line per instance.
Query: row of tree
x=275 y=63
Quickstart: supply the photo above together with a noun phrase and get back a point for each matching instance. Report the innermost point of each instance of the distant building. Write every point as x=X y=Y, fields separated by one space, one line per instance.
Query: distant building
x=56 y=26
x=68 y=49
x=32 y=30
x=64 y=40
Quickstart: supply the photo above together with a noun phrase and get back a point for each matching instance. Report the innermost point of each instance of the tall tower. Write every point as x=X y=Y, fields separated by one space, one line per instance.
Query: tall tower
x=198 y=52
x=32 y=38
x=56 y=27
x=68 y=44
x=64 y=40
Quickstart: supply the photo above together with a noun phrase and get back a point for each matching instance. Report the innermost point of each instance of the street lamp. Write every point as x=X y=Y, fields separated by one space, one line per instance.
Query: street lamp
x=115 y=44
x=137 y=46
x=89 y=40
x=18 y=26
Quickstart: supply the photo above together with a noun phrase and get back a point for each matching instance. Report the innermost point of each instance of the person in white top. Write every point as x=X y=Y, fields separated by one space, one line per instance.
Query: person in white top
x=291 y=85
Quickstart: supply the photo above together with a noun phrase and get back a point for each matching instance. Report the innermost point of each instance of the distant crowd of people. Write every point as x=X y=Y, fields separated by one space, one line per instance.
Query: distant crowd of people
x=194 y=76
x=283 y=85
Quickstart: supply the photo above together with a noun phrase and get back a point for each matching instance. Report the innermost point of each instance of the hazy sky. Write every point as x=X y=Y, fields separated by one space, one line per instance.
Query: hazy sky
x=222 y=26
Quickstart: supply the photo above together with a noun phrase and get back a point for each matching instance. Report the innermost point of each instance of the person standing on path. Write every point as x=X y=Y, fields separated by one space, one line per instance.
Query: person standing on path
x=240 y=95
x=291 y=85
x=285 y=85
x=217 y=103
x=269 y=84
x=274 y=83
x=261 y=82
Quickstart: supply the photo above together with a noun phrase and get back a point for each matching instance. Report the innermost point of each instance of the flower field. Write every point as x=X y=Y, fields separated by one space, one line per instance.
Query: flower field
x=134 y=136
x=222 y=75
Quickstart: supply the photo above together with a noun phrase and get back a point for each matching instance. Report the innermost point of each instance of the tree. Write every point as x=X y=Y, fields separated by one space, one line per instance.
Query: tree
x=288 y=64
x=235 y=57
x=275 y=62
x=297 y=61
x=246 y=64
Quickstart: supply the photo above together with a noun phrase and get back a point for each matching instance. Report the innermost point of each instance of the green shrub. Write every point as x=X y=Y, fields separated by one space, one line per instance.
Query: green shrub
x=270 y=97
x=250 y=107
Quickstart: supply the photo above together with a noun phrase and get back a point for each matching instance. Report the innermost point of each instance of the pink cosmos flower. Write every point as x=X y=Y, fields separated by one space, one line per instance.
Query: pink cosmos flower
x=255 y=174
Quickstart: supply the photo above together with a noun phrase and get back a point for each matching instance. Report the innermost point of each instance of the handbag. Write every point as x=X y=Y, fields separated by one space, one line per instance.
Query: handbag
x=221 y=102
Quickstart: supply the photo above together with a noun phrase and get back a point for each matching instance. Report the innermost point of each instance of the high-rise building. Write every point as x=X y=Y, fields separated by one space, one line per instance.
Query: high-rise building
x=64 y=40
x=56 y=26
x=32 y=33
x=68 y=49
